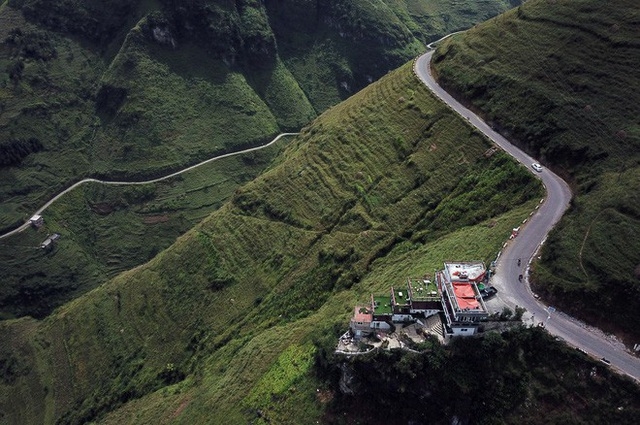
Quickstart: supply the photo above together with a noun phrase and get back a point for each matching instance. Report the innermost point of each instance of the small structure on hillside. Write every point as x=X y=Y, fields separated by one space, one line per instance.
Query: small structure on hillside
x=382 y=310
x=50 y=241
x=361 y=321
x=424 y=297
x=36 y=221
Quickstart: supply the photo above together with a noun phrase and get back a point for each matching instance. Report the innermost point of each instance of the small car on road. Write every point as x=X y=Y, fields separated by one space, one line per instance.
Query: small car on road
x=537 y=167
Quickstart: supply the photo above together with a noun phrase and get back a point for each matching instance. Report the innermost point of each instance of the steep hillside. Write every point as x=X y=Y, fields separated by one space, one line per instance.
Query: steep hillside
x=336 y=47
x=109 y=229
x=522 y=376
x=132 y=89
x=148 y=102
x=151 y=87
x=221 y=326
x=556 y=76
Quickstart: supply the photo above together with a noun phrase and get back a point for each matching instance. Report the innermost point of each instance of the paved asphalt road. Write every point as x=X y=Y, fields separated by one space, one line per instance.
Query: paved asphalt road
x=525 y=246
x=81 y=182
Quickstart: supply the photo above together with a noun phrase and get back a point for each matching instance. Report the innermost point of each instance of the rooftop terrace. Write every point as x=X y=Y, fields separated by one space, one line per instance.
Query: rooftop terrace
x=463 y=295
x=423 y=290
x=401 y=296
x=362 y=314
x=464 y=271
x=382 y=305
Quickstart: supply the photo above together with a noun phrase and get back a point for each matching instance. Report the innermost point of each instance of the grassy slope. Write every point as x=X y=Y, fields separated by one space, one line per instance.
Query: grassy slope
x=109 y=229
x=113 y=99
x=233 y=305
x=556 y=76
x=58 y=114
x=171 y=119
x=135 y=108
x=429 y=19
x=174 y=116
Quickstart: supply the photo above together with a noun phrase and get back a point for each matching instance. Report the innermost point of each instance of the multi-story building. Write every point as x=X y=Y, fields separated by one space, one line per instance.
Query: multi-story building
x=462 y=304
x=454 y=293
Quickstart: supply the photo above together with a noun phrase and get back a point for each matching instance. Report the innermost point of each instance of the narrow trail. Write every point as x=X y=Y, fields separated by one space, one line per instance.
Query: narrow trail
x=125 y=183
x=584 y=241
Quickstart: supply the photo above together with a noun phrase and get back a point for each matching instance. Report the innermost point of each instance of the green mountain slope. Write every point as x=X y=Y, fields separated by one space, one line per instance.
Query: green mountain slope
x=132 y=109
x=126 y=89
x=222 y=324
x=109 y=229
x=335 y=48
x=151 y=87
x=558 y=77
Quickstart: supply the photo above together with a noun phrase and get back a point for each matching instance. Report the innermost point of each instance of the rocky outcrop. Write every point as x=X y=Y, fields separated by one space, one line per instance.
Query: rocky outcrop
x=347 y=379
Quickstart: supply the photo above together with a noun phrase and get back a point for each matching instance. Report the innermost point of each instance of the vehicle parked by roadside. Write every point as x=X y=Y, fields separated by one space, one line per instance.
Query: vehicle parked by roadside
x=489 y=292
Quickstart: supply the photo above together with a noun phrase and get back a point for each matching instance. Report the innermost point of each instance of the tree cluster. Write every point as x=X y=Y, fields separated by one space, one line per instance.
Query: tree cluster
x=31 y=44
x=12 y=152
x=497 y=378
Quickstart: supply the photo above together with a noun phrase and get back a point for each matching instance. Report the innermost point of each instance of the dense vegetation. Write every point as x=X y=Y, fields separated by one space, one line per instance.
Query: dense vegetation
x=12 y=152
x=234 y=322
x=221 y=326
x=521 y=376
x=133 y=89
x=556 y=77
x=150 y=87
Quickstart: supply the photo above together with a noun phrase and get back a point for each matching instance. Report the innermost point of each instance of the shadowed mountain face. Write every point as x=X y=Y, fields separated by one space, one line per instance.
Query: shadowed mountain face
x=131 y=90
x=556 y=76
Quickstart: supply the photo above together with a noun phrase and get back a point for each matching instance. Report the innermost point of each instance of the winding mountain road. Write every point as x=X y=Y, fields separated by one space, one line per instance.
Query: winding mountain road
x=124 y=183
x=526 y=245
